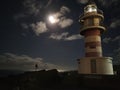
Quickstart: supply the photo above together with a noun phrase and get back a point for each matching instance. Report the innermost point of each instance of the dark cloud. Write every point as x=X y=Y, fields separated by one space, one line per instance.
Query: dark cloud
x=117 y=38
x=82 y=1
x=116 y=56
x=23 y=62
x=24 y=25
x=33 y=6
x=107 y=39
x=115 y=23
x=108 y=3
x=49 y=3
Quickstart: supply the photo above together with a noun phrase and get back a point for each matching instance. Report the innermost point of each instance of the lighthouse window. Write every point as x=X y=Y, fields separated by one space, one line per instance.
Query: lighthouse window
x=89 y=22
x=90 y=8
x=96 y=21
x=93 y=66
x=92 y=46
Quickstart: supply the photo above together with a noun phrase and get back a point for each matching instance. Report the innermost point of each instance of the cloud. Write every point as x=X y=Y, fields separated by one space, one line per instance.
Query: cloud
x=64 y=10
x=23 y=62
x=49 y=3
x=73 y=37
x=117 y=50
x=107 y=3
x=116 y=38
x=82 y=1
x=35 y=7
x=115 y=24
x=65 y=22
x=103 y=2
x=39 y=27
x=116 y=56
x=19 y=15
x=106 y=40
x=109 y=39
x=25 y=26
x=32 y=7
x=65 y=36
x=61 y=36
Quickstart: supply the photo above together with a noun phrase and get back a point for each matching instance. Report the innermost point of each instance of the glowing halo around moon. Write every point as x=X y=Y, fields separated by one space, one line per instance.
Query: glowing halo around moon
x=52 y=19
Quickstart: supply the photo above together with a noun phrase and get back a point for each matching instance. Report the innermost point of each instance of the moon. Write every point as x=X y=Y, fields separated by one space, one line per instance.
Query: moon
x=53 y=19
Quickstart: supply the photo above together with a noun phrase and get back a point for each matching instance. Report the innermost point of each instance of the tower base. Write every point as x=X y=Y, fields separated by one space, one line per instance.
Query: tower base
x=95 y=65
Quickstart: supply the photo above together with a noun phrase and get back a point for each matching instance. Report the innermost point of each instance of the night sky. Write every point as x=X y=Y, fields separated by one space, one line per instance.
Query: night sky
x=28 y=38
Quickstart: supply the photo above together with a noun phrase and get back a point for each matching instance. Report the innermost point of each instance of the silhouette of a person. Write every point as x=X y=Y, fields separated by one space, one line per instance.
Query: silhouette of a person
x=36 y=67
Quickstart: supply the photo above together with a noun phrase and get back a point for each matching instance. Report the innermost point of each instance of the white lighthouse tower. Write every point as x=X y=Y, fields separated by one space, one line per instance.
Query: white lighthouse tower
x=92 y=28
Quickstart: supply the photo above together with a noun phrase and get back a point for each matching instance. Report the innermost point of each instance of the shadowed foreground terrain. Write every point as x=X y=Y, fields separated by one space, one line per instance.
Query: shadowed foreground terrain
x=54 y=80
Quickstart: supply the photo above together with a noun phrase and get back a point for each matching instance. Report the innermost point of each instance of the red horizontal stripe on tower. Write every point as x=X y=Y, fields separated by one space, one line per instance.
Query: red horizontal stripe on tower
x=87 y=44
x=92 y=32
x=93 y=54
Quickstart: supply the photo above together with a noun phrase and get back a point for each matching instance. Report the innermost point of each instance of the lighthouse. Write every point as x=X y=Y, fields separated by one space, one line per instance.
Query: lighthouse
x=91 y=22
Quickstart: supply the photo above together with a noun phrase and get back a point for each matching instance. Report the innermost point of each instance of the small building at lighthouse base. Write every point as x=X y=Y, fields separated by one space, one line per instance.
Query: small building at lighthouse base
x=95 y=65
